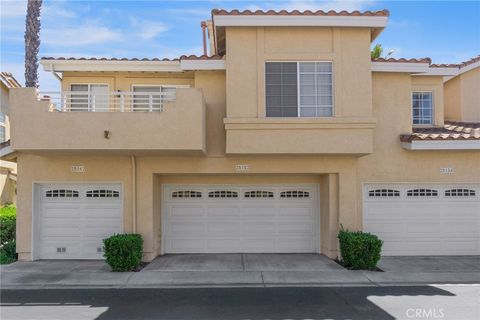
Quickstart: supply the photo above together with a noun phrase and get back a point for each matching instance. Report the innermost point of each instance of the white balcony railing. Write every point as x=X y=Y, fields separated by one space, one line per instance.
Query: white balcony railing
x=106 y=102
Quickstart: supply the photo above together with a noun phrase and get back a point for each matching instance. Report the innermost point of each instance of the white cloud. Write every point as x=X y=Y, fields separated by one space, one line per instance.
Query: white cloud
x=13 y=9
x=147 y=29
x=83 y=35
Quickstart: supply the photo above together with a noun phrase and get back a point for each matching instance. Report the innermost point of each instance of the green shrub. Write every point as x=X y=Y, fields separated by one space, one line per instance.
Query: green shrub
x=8 y=216
x=7 y=252
x=359 y=250
x=123 y=252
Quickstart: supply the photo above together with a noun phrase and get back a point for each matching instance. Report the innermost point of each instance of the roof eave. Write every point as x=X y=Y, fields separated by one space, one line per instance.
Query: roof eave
x=431 y=145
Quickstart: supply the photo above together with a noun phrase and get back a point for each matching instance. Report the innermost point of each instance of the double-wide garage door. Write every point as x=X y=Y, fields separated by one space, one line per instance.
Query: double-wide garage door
x=424 y=219
x=72 y=220
x=227 y=218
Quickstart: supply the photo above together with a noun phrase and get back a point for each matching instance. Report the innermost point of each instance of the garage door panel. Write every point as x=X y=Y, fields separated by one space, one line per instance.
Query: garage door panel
x=223 y=211
x=250 y=222
x=260 y=245
x=185 y=211
x=185 y=229
x=105 y=212
x=295 y=227
x=185 y=245
x=224 y=228
x=423 y=225
x=50 y=249
x=67 y=212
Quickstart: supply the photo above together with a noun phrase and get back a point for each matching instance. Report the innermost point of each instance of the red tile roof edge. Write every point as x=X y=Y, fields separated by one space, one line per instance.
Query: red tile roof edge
x=412 y=60
x=457 y=65
x=450 y=131
x=236 y=12
x=183 y=57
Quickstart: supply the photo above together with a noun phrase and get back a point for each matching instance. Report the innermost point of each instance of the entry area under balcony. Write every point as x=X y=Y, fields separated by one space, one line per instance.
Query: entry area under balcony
x=169 y=121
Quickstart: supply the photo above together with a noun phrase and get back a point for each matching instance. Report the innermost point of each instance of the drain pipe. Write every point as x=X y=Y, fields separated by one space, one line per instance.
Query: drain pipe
x=134 y=194
x=203 y=24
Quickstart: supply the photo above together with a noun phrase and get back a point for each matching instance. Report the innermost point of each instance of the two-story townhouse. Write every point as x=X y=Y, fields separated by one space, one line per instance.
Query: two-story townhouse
x=287 y=132
x=8 y=169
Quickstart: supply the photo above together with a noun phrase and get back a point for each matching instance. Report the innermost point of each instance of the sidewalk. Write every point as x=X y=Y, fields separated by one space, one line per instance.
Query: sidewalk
x=221 y=271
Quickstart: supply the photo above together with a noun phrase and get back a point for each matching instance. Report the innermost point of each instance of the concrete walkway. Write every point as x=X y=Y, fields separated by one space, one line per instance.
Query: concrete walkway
x=241 y=270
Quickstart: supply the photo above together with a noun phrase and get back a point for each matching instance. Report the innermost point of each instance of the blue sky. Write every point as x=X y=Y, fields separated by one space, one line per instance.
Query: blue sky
x=446 y=31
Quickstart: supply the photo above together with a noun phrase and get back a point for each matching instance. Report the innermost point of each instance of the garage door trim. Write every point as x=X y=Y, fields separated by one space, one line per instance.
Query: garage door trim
x=36 y=203
x=265 y=187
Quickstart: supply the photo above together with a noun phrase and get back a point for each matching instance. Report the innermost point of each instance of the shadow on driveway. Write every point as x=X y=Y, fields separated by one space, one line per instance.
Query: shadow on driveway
x=217 y=303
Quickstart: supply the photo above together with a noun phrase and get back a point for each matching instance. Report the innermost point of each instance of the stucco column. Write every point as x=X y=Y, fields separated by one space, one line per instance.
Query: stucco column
x=349 y=216
x=329 y=215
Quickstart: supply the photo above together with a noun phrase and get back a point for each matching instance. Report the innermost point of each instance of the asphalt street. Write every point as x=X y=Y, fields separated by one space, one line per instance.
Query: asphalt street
x=396 y=302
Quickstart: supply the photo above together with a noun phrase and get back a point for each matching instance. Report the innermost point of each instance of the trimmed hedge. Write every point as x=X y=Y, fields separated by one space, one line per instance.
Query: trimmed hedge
x=359 y=250
x=123 y=252
x=8 y=220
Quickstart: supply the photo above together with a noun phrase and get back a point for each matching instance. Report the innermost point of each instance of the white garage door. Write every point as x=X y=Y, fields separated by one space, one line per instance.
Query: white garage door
x=215 y=218
x=73 y=220
x=424 y=219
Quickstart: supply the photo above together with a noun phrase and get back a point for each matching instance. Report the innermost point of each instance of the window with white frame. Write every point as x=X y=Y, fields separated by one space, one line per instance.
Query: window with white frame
x=299 y=89
x=150 y=98
x=3 y=129
x=88 y=97
x=422 y=107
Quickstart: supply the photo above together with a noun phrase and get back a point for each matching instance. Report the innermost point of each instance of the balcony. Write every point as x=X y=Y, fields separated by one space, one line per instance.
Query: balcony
x=328 y=136
x=172 y=122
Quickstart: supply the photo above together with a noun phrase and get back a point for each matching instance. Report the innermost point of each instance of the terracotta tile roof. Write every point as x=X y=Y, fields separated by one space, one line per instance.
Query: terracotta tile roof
x=222 y=12
x=421 y=60
x=457 y=65
x=450 y=131
x=9 y=80
x=183 y=57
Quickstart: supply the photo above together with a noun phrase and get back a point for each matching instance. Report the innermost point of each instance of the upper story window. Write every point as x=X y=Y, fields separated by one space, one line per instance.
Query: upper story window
x=3 y=130
x=151 y=97
x=299 y=89
x=422 y=107
x=88 y=97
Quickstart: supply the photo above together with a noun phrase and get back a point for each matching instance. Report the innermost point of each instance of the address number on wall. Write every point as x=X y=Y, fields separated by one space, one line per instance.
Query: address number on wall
x=242 y=167
x=77 y=168
x=446 y=170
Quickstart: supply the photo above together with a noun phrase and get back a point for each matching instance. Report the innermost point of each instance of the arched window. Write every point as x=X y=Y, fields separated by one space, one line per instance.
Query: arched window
x=389 y=193
x=103 y=193
x=294 y=194
x=223 y=194
x=258 y=194
x=61 y=193
x=186 y=194
x=460 y=193
x=422 y=193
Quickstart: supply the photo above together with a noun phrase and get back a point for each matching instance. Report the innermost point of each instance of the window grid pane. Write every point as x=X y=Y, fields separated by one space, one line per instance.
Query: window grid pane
x=316 y=89
x=422 y=108
x=281 y=89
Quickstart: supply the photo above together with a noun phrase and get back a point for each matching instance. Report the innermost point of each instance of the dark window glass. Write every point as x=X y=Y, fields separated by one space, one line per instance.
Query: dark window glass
x=281 y=89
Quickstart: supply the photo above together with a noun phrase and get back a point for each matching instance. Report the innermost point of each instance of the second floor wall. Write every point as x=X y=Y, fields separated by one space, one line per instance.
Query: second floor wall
x=346 y=49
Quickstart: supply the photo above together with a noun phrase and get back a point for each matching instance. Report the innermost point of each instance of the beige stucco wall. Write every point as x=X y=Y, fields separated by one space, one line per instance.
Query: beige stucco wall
x=390 y=162
x=453 y=99
x=347 y=48
x=462 y=98
x=180 y=127
x=336 y=176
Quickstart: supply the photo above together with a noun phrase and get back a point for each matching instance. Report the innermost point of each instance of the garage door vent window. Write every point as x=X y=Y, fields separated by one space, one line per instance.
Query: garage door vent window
x=422 y=193
x=294 y=194
x=460 y=193
x=186 y=194
x=223 y=194
x=61 y=194
x=384 y=193
x=258 y=194
x=103 y=194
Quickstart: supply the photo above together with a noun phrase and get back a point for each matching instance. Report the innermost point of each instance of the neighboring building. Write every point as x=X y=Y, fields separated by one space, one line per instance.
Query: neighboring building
x=8 y=169
x=285 y=133
x=462 y=98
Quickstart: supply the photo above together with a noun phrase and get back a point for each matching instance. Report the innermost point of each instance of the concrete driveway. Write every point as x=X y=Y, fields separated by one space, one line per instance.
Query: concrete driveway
x=243 y=262
x=242 y=270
